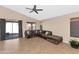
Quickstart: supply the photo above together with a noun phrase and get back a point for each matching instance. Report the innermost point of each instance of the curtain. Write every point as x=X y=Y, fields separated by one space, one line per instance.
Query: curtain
x=2 y=29
x=20 y=29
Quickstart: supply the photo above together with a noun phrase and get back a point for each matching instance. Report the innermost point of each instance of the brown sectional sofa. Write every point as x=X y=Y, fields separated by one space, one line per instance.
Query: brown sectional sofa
x=47 y=35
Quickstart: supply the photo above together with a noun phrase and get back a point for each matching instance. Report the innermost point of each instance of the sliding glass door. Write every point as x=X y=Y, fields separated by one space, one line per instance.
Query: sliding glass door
x=12 y=30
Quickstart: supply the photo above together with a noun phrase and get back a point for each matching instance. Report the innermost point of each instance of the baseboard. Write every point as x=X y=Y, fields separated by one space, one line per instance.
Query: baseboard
x=66 y=42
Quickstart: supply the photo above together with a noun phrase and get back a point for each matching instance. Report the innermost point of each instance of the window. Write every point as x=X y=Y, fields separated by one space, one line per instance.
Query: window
x=15 y=28
x=74 y=27
x=34 y=26
x=8 y=27
x=31 y=26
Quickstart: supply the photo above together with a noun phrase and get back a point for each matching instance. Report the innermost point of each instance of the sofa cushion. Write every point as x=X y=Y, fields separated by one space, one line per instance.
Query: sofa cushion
x=49 y=33
x=28 y=32
x=46 y=33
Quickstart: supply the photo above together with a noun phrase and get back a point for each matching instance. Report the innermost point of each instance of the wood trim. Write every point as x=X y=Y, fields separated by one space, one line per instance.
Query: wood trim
x=74 y=19
x=31 y=22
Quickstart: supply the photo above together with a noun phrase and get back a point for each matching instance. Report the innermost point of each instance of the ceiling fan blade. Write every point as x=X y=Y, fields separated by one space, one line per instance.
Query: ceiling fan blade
x=29 y=8
x=39 y=9
x=31 y=11
x=34 y=6
x=36 y=12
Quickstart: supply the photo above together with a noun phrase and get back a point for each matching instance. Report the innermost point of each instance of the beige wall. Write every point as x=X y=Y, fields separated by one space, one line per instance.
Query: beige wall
x=60 y=26
x=8 y=14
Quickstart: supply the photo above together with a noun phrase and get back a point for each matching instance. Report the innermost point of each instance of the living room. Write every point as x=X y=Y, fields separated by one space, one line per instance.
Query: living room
x=57 y=25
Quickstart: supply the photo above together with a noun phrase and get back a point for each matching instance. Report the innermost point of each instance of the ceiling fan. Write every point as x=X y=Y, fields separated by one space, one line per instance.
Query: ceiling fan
x=34 y=9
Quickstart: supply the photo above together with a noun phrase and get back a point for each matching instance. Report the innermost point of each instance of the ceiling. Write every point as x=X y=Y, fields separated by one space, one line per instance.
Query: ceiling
x=49 y=11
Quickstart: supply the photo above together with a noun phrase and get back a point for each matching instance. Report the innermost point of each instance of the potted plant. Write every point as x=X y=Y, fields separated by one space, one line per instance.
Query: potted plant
x=74 y=44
